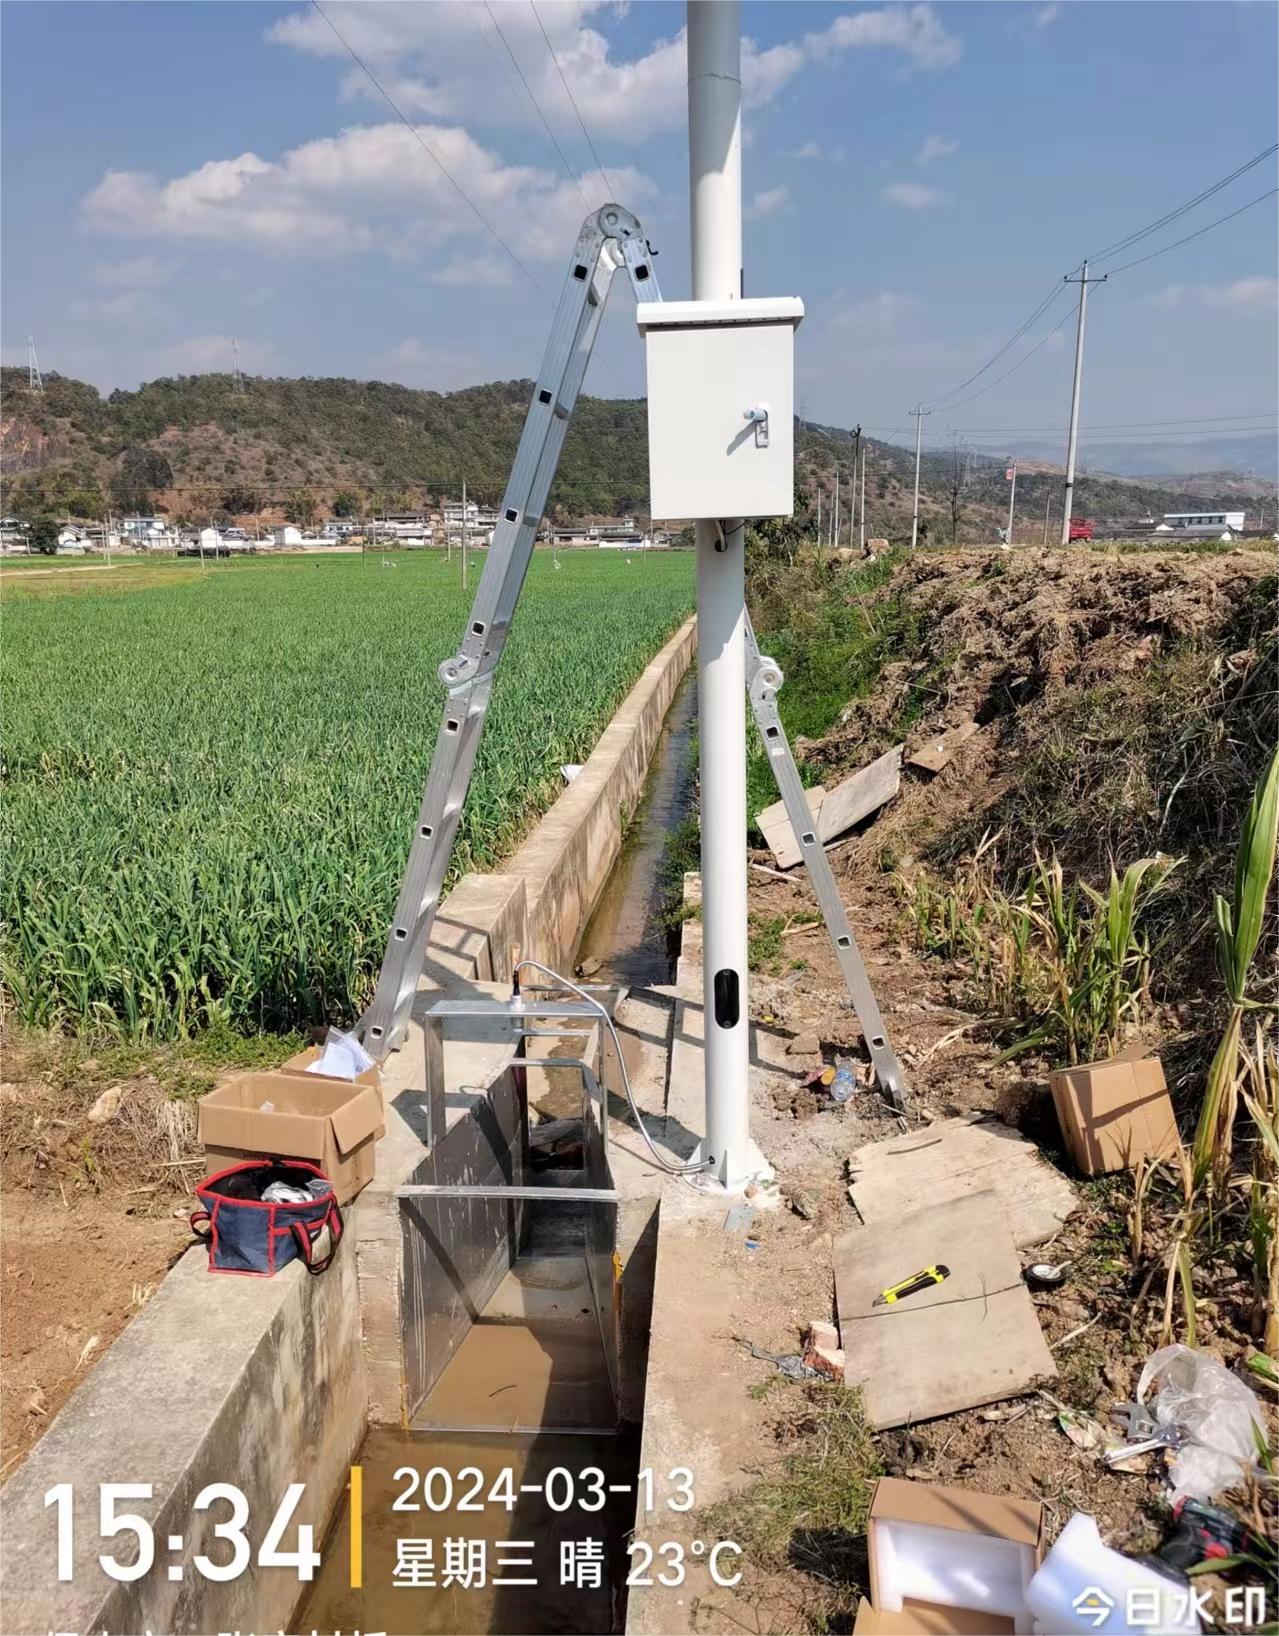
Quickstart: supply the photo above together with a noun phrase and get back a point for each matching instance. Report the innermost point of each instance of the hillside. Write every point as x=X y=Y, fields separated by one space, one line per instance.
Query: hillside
x=194 y=446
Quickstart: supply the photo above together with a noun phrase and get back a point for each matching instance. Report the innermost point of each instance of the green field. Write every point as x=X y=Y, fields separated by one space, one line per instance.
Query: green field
x=211 y=779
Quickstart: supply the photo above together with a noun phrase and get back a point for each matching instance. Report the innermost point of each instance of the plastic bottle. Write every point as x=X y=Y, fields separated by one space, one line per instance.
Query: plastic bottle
x=844 y=1084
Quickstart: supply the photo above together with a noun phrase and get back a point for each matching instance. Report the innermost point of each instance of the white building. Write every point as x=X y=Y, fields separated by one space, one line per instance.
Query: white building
x=1219 y=524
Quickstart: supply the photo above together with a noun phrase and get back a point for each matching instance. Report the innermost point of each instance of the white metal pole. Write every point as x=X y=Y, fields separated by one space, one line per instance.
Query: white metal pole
x=861 y=532
x=1012 y=501
x=1068 y=500
x=834 y=517
x=715 y=222
x=465 y=530
x=914 y=516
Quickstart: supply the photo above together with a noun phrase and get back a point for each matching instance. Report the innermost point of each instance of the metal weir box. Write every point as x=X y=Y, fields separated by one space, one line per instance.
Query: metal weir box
x=721 y=406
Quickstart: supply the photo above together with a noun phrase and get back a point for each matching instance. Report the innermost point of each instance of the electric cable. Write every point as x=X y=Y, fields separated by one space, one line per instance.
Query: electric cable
x=658 y=1157
x=1177 y=243
x=568 y=88
x=533 y=97
x=1172 y=215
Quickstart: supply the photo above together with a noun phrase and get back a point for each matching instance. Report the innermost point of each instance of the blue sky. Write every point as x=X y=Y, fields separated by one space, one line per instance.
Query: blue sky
x=178 y=174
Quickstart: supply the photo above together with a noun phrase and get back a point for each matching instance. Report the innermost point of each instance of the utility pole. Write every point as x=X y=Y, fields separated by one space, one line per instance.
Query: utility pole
x=1048 y=505
x=35 y=381
x=857 y=450
x=834 y=513
x=919 y=412
x=819 y=518
x=237 y=380
x=1011 y=475
x=1083 y=282
x=715 y=222
x=464 y=533
x=861 y=533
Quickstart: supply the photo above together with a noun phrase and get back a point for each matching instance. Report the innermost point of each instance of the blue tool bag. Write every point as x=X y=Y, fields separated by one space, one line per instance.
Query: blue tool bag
x=256 y=1236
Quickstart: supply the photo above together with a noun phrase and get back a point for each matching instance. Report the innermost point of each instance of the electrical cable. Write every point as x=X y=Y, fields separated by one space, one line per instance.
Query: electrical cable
x=533 y=97
x=1053 y=294
x=426 y=148
x=658 y=1157
x=1025 y=358
x=568 y=88
x=448 y=175
x=1176 y=243
x=502 y=69
x=1171 y=216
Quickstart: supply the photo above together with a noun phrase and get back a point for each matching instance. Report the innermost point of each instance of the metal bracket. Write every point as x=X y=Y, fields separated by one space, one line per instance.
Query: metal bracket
x=763 y=680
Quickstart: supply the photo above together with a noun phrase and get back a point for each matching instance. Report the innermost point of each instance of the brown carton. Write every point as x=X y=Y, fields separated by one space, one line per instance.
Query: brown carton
x=948 y=1560
x=329 y=1122
x=301 y=1061
x=1114 y=1113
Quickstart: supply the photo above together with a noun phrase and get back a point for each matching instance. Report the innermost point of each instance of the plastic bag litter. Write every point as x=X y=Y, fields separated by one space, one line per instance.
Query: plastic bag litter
x=1217 y=1412
x=343 y=1057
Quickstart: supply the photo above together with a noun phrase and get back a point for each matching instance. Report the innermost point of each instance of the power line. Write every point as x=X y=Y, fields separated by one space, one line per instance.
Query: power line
x=546 y=123
x=1171 y=216
x=1012 y=340
x=502 y=69
x=1260 y=199
x=1025 y=358
x=569 y=90
x=427 y=149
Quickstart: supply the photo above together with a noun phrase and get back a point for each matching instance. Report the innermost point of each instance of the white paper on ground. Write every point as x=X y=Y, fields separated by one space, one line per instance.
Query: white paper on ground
x=343 y=1057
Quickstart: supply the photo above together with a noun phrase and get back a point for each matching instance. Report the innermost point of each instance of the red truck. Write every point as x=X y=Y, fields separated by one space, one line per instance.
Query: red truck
x=1081 y=530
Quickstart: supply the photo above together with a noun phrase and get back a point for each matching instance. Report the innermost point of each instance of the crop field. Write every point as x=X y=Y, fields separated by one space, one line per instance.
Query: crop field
x=211 y=780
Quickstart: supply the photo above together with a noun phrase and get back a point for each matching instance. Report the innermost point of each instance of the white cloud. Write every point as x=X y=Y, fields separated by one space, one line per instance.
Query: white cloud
x=1244 y=295
x=872 y=317
x=917 y=31
x=368 y=188
x=439 y=369
x=810 y=150
x=913 y=195
x=479 y=271
x=767 y=201
x=1045 y=16
x=443 y=59
x=936 y=147
x=121 y=307
x=137 y=273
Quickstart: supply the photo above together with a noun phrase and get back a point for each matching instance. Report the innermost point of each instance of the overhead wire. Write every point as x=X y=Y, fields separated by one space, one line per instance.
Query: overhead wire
x=946 y=400
x=533 y=98
x=430 y=151
x=1177 y=243
x=1172 y=215
x=573 y=100
x=451 y=179
x=505 y=73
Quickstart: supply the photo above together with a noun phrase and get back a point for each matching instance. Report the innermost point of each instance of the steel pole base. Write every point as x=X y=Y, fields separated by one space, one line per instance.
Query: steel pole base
x=752 y=1167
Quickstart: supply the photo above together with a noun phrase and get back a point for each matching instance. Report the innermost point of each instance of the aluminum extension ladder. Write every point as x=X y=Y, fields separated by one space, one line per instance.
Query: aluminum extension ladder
x=611 y=238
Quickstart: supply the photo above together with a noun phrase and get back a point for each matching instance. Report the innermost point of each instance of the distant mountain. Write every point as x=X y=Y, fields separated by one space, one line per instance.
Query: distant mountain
x=278 y=449
x=1243 y=456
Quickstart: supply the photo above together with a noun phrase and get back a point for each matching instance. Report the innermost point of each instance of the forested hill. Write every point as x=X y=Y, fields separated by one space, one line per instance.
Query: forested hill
x=194 y=445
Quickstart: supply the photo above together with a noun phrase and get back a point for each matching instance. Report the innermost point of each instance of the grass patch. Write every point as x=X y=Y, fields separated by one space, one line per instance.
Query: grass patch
x=832 y=635
x=808 y=1515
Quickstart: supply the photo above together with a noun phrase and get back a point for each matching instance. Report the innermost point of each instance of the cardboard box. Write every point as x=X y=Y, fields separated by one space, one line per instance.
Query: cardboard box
x=923 y=1619
x=329 y=1122
x=1114 y=1113
x=949 y=1560
x=302 y=1060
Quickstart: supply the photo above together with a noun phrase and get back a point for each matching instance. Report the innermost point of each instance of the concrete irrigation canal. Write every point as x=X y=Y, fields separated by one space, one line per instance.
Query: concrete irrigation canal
x=462 y=1393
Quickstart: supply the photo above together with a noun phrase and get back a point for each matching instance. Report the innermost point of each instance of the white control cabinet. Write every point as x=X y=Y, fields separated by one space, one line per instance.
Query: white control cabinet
x=721 y=406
